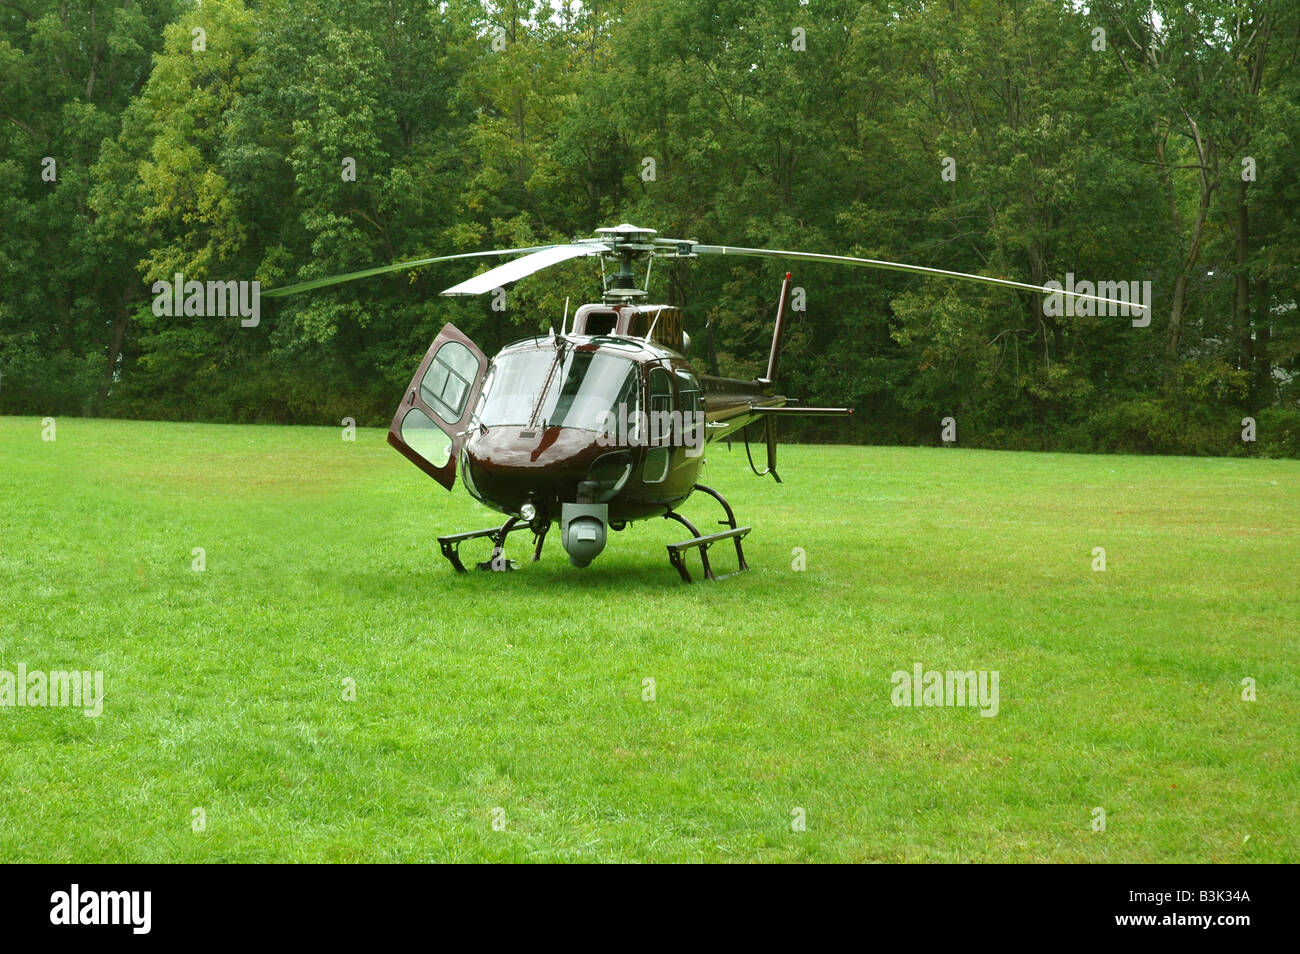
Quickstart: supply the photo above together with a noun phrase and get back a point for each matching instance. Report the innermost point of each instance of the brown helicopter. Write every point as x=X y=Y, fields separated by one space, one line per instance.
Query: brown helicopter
x=602 y=424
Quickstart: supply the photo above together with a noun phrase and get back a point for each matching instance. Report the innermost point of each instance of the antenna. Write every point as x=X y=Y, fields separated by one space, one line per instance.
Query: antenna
x=565 y=324
x=655 y=322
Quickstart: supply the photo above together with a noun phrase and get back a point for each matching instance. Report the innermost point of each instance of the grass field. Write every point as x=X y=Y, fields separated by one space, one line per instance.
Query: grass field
x=518 y=698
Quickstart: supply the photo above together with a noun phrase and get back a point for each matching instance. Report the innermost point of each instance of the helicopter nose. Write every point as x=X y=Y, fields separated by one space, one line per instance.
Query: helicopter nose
x=510 y=465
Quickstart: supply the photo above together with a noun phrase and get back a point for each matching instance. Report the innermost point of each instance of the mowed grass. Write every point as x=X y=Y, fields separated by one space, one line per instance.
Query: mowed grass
x=519 y=697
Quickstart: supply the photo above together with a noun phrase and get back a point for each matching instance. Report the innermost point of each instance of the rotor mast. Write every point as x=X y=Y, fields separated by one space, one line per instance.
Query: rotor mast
x=626 y=244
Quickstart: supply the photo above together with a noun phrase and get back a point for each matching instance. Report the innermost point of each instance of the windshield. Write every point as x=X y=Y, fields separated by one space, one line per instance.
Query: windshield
x=586 y=386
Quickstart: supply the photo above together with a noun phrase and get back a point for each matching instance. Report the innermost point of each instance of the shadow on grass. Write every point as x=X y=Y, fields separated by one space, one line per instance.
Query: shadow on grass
x=635 y=572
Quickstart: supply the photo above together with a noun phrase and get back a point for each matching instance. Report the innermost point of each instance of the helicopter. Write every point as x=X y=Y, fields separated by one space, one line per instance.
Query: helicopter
x=604 y=423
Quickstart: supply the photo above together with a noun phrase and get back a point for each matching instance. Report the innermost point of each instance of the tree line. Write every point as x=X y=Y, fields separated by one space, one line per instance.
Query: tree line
x=1025 y=139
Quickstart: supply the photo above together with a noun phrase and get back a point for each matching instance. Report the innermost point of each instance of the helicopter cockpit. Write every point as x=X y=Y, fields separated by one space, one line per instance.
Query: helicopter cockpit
x=581 y=390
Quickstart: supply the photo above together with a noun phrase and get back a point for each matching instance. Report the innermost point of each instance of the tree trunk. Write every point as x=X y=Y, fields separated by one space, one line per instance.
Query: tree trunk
x=1263 y=384
x=1241 y=309
x=121 y=317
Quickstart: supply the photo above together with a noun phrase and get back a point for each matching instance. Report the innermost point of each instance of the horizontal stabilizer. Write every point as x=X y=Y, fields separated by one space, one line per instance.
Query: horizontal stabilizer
x=800 y=411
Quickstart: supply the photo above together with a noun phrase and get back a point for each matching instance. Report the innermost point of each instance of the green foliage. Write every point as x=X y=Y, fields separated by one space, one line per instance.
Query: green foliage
x=994 y=138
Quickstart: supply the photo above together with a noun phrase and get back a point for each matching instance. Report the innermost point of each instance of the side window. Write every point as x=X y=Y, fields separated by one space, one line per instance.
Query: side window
x=689 y=393
x=629 y=403
x=660 y=420
x=690 y=398
x=445 y=386
x=661 y=390
x=482 y=394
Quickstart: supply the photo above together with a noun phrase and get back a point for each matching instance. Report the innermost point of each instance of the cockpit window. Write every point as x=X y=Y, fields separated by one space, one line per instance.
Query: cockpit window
x=585 y=387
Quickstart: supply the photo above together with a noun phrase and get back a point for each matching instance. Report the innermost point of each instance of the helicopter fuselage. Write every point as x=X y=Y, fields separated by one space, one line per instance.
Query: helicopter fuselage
x=619 y=422
x=599 y=428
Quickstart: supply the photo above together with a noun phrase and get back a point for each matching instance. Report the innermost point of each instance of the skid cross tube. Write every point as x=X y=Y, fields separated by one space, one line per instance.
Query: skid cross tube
x=703 y=542
x=450 y=544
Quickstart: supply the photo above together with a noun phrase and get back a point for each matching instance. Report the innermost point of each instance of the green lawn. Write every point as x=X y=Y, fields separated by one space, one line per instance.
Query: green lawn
x=223 y=689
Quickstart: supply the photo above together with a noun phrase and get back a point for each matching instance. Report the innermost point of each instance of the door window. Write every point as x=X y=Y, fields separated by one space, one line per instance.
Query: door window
x=661 y=426
x=426 y=438
x=428 y=427
x=445 y=385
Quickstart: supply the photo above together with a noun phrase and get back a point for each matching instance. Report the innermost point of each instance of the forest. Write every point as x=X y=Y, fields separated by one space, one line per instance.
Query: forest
x=1033 y=140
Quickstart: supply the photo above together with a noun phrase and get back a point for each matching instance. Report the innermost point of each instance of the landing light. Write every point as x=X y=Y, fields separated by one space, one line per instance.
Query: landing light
x=528 y=512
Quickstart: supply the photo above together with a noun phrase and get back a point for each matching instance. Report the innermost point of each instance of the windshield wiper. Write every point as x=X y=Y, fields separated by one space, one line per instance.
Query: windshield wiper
x=534 y=418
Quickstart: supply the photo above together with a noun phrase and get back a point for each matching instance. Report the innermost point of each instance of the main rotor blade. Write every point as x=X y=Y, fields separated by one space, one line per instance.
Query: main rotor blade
x=897 y=267
x=521 y=267
x=366 y=273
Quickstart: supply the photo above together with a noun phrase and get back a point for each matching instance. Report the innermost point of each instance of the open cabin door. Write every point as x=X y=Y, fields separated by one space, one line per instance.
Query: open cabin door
x=429 y=425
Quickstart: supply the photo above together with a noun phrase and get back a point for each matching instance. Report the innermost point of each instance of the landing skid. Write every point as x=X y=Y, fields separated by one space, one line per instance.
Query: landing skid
x=497 y=561
x=676 y=551
x=703 y=542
